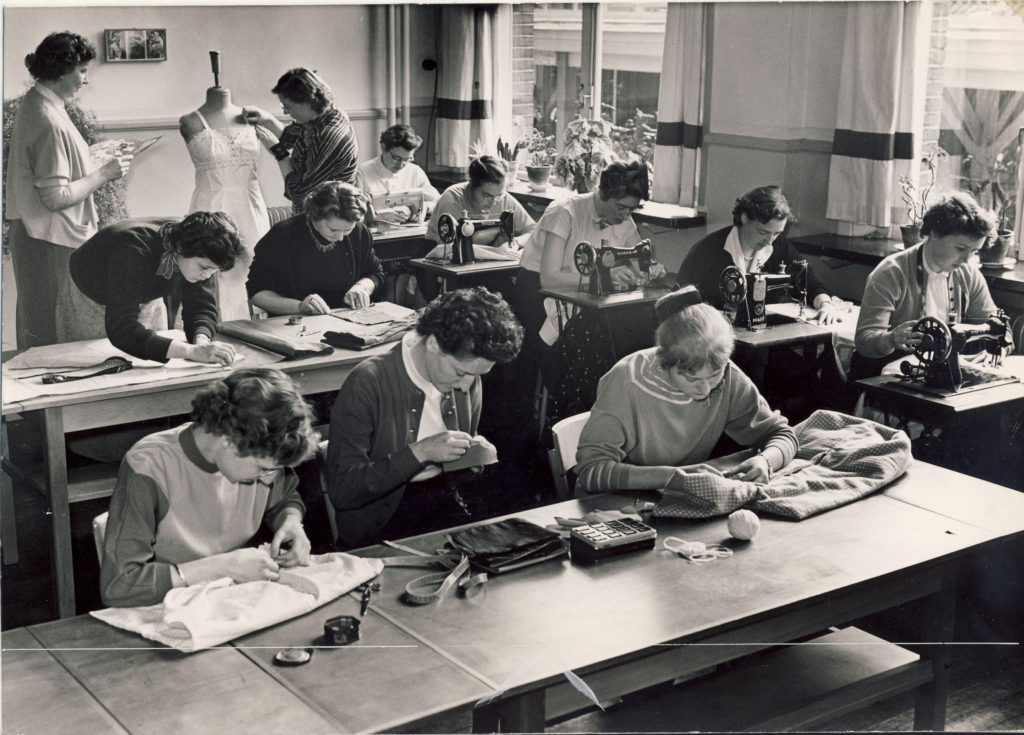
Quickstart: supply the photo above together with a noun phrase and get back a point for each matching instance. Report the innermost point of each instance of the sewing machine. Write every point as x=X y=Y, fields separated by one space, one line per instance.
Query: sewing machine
x=460 y=234
x=596 y=264
x=939 y=370
x=744 y=296
x=384 y=206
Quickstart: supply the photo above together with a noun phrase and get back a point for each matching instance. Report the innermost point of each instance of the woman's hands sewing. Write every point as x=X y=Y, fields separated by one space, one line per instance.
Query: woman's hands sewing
x=314 y=304
x=358 y=297
x=242 y=565
x=444 y=447
x=290 y=545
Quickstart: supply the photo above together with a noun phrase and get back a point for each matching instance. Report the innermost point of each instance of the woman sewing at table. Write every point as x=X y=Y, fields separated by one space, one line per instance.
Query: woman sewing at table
x=660 y=412
x=934 y=278
x=189 y=500
x=126 y=270
x=318 y=260
x=401 y=415
x=393 y=171
x=319 y=145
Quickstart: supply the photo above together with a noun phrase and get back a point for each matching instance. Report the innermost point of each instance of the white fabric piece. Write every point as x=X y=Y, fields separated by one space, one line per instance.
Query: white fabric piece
x=203 y=616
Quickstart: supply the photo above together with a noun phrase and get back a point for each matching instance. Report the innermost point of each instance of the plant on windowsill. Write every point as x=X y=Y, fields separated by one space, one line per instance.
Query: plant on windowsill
x=587 y=151
x=509 y=152
x=916 y=198
x=997 y=192
x=540 y=158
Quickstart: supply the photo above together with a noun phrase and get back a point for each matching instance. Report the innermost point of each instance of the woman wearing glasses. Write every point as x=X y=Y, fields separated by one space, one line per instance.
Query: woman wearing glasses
x=319 y=145
x=189 y=500
x=393 y=171
x=660 y=412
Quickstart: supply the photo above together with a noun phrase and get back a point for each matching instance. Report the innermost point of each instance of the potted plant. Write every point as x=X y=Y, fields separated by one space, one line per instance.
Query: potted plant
x=1002 y=198
x=587 y=151
x=540 y=159
x=917 y=198
x=509 y=152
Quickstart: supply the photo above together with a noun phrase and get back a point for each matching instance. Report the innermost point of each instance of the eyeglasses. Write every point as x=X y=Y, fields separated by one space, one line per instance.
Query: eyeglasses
x=625 y=209
x=399 y=160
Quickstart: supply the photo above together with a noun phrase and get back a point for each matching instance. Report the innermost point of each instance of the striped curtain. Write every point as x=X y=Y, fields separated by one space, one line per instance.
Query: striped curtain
x=465 y=113
x=873 y=142
x=680 y=98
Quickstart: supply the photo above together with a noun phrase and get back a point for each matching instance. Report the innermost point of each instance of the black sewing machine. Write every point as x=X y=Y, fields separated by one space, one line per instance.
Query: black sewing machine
x=596 y=264
x=460 y=234
x=744 y=296
x=939 y=370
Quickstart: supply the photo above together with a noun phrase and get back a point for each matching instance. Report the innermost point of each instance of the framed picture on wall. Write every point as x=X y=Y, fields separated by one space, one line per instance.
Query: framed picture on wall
x=135 y=44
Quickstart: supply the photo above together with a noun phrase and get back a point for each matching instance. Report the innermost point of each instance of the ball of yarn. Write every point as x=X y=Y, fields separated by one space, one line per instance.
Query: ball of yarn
x=743 y=524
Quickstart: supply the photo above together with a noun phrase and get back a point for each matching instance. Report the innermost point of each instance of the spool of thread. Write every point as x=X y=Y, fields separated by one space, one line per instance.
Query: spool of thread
x=743 y=524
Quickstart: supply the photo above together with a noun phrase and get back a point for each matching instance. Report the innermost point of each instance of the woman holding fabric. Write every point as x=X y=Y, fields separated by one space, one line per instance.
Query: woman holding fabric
x=319 y=145
x=126 y=270
x=50 y=185
x=319 y=260
x=660 y=412
x=188 y=500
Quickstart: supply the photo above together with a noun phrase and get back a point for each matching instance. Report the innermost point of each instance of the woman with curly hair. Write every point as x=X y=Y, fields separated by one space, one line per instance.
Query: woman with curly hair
x=125 y=271
x=50 y=183
x=400 y=416
x=188 y=500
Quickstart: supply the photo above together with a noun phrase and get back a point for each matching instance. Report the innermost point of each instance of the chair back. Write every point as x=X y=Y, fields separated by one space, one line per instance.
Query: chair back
x=566 y=437
x=99 y=532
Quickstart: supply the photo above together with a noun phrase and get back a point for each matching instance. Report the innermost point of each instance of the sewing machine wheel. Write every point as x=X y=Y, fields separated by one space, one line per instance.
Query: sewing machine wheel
x=446 y=228
x=939 y=341
x=733 y=286
x=467 y=229
x=585 y=257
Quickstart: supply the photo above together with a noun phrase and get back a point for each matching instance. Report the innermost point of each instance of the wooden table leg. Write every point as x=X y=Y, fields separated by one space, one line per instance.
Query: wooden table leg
x=8 y=524
x=936 y=633
x=60 y=511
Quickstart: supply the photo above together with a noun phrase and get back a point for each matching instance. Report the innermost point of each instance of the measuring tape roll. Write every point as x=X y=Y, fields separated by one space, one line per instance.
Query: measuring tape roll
x=424 y=590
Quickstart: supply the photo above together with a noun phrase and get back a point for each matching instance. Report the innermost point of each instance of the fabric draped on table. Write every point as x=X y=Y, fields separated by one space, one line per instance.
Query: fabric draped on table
x=873 y=144
x=680 y=97
x=465 y=113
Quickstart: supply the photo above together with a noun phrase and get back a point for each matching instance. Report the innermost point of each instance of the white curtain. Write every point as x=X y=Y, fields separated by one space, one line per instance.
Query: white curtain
x=465 y=112
x=873 y=142
x=680 y=98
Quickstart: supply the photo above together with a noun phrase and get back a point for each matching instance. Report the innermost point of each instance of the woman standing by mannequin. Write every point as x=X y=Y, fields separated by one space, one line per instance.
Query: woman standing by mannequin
x=318 y=146
x=50 y=183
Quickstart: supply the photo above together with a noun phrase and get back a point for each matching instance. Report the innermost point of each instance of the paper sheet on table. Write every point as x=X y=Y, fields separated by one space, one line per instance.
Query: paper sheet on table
x=382 y=312
x=480 y=252
x=207 y=615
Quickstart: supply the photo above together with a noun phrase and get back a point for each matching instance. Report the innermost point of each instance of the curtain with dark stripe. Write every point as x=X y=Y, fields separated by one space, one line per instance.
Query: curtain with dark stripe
x=873 y=144
x=680 y=97
x=465 y=113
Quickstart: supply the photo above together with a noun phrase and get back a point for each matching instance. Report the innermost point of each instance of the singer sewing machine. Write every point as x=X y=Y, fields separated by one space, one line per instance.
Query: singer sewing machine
x=939 y=370
x=595 y=264
x=460 y=234
x=413 y=200
x=744 y=296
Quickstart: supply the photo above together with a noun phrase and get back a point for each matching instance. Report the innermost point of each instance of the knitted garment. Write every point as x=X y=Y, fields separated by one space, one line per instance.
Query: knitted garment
x=841 y=459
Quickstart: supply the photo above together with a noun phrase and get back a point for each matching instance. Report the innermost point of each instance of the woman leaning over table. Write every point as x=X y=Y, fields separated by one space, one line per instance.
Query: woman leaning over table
x=50 y=183
x=319 y=260
x=660 y=412
x=126 y=270
x=319 y=145
x=188 y=500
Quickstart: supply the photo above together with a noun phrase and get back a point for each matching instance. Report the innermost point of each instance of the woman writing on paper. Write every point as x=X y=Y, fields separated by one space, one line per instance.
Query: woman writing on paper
x=189 y=500
x=319 y=260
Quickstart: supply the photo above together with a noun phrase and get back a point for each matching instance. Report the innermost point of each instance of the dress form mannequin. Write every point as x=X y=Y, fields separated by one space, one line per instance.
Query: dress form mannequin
x=219 y=111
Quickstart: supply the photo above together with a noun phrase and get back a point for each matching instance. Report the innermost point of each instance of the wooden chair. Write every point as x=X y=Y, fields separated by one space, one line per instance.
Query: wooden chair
x=566 y=436
x=99 y=532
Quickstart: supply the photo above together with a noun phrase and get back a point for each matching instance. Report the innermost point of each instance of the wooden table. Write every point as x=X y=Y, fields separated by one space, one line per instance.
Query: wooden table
x=622 y=625
x=867 y=251
x=451 y=275
x=753 y=348
x=401 y=243
x=59 y=415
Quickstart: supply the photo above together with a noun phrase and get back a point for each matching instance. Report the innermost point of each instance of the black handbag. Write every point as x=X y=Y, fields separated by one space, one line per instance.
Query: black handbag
x=508 y=544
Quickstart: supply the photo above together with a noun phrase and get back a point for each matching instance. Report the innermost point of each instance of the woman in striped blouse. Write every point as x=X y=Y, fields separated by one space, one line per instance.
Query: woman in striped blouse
x=319 y=145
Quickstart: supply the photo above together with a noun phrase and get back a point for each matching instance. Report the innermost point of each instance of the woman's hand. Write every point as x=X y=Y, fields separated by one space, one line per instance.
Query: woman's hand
x=444 y=447
x=623 y=277
x=116 y=167
x=249 y=565
x=358 y=297
x=206 y=351
x=827 y=313
x=905 y=337
x=290 y=533
x=267 y=138
x=252 y=115
x=314 y=304
x=752 y=469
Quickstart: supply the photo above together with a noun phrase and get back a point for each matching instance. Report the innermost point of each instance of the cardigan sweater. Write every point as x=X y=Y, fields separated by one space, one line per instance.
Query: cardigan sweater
x=641 y=419
x=704 y=264
x=117 y=268
x=893 y=295
x=288 y=262
x=374 y=420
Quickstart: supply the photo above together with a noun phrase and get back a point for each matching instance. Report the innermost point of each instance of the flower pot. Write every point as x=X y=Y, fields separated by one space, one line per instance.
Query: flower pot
x=995 y=249
x=538 y=176
x=911 y=234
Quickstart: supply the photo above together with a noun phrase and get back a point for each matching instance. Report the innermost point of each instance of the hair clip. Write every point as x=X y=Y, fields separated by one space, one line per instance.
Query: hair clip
x=675 y=301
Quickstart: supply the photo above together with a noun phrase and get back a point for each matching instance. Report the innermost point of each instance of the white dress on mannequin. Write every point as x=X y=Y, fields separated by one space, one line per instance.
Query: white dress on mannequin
x=227 y=180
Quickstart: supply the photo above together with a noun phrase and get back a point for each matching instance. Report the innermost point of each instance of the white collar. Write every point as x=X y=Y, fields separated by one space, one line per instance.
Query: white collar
x=735 y=249
x=410 y=342
x=50 y=95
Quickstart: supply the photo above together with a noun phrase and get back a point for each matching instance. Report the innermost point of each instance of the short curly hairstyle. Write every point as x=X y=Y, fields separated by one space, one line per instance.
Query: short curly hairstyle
x=305 y=87
x=210 y=235
x=763 y=204
x=261 y=412
x=335 y=199
x=472 y=322
x=694 y=338
x=58 y=54
x=620 y=180
x=958 y=214
x=400 y=136
x=487 y=170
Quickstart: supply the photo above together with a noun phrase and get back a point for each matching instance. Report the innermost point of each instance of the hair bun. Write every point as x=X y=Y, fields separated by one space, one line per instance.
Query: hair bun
x=676 y=301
